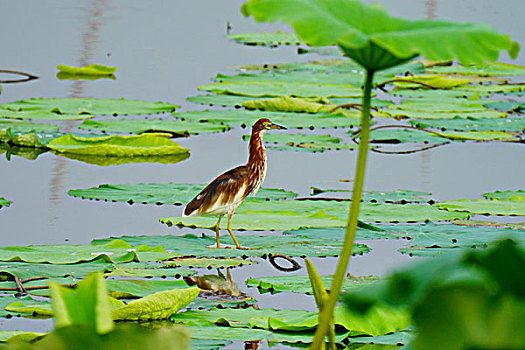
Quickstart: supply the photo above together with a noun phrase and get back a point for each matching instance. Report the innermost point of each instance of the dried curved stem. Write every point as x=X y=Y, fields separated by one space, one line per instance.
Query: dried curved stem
x=357 y=106
x=27 y=76
x=382 y=85
x=295 y=265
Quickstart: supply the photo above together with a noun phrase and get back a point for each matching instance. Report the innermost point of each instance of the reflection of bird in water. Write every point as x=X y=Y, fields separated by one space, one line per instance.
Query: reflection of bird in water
x=224 y=194
x=216 y=283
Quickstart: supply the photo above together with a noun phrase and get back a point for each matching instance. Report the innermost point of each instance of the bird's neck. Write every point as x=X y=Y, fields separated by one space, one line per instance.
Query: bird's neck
x=256 y=149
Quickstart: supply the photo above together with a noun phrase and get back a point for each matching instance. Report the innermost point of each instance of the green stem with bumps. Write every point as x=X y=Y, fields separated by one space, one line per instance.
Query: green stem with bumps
x=328 y=309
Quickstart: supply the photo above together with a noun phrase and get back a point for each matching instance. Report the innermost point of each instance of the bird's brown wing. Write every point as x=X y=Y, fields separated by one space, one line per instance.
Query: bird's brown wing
x=227 y=189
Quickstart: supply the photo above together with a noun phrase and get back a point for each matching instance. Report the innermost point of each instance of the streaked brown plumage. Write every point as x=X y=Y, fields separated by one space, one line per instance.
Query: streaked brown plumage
x=224 y=194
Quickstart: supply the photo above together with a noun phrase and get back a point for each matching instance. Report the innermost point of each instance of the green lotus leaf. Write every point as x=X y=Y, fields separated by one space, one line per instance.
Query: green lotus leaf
x=41 y=114
x=481 y=136
x=103 y=160
x=146 y=270
x=221 y=301
x=301 y=284
x=24 y=126
x=377 y=322
x=346 y=77
x=433 y=94
x=293 y=214
x=4 y=202
x=270 y=88
x=138 y=288
x=337 y=234
x=487 y=69
x=504 y=195
x=30 y=140
x=157 y=306
x=304 y=142
x=481 y=223
x=512 y=206
x=9 y=299
x=24 y=270
x=434 y=105
x=468 y=124
x=374 y=39
x=177 y=128
x=91 y=69
x=246 y=118
x=436 y=81
x=88 y=304
x=192 y=262
x=265 y=39
x=33 y=307
x=492 y=88
x=286 y=104
x=170 y=193
x=19 y=336
x=115 y=251
x=408 y=113
x=39 y=287
x=117 y=146
x=397 y=196
x=402 y=135
x=504 y=106
x=87 y=106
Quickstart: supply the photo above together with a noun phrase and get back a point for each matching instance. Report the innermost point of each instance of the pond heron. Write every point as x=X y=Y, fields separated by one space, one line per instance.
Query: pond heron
x=224 y=194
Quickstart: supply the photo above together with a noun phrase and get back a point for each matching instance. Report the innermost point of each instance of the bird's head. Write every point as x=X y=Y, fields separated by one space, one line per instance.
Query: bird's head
x=265 y=124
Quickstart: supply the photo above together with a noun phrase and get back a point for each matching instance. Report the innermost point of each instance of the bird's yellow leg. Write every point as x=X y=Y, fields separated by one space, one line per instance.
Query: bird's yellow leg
x=216 y=228
x=230 y=215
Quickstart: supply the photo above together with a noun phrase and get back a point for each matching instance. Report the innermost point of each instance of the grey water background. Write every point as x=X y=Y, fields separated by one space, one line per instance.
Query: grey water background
x=163 y=51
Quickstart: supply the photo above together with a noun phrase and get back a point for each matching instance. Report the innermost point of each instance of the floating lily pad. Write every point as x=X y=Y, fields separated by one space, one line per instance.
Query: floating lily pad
x=301 y=284
x=198 y=246
x=468 y=124
x=20 y=336
x=504 y=195
x=40 y=114
x=117 y=251
x=91 y=69
x=25 y=270
x=446 y=109
x=4 y=202
x=117 y=146
x=481 y=223
x=353 y=78
x=147 y=270
x=177 y=128
x=512 y=206
x=335 y=234
x=436 y=94
x=304 y=142
x=487 y=69
x=24 y=126
x=103 y=160
x=481 y=136
x=290 y=120
x=266 y=88
x=504 y=106
x=397 y=196
x=170 y=193
x=492 y=88
x=402 y=135
x=221 y=100
x=192 y=262
x=266 y=39
x=89 y=106
x=436 y=81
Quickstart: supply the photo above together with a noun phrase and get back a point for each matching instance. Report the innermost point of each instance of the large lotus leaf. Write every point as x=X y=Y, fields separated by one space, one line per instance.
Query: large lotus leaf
x=4 y=202
x=504 y=195
x=88 y=106
x=469 y=124
x=87 y=304
x=167 y=193
x=290 y=120
x=286 y=104
x=265 y=39
x=116 y=251
x=369 y=35
x=334 y=234
x=487 y=69
x=432 y=94
x=301 y=284
x=141 y=287
x=31 y=307
x=402 y=135
x=91 y=69
x=24 y=126
x=469 y=316
x=103 y=160
x=442 y=105
x=492 y=88
x=481 y=136
x=221 y=100
x=293 y=214
x=146 y=270
x=204 y=245
x=304 y=142
x=117 y=146
x=512 y=206
x=178 y=128
x=25 y=270
x=8 y=299
x=352 y=77
x=408 y=113
x=30 y=140
x=482 y=223
x=378 y=321
x=435 y=81
x=17 y=336
x=397 y=196
x=157 y=306
x=269 y=88
x=503 y=105
x=40 y=114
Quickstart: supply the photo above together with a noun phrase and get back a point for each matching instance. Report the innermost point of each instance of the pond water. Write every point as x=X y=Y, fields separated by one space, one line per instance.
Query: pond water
x=163 y=51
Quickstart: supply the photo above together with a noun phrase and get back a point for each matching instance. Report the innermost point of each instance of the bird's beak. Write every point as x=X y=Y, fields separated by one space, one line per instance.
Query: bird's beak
x=277 y=126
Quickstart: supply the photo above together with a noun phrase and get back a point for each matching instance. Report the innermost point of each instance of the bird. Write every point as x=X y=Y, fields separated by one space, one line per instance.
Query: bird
x=224 y=194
